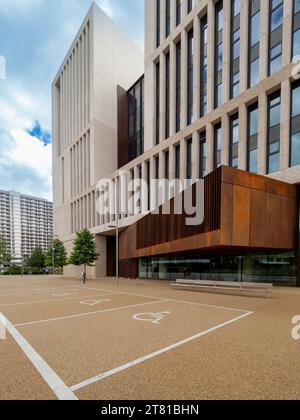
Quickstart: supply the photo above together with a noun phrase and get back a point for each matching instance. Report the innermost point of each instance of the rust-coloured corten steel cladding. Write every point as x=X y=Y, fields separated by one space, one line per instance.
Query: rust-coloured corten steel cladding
x=243 y=211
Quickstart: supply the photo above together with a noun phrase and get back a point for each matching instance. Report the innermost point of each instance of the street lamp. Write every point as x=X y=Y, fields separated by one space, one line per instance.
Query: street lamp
x=53 y=254
x=116 y=226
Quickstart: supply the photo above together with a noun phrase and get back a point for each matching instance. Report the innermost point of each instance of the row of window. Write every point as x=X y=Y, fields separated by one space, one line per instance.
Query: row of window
x=275 y=57
x=273 y=140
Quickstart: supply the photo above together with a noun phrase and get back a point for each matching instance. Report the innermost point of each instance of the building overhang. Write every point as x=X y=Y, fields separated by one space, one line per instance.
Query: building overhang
x=243 y=213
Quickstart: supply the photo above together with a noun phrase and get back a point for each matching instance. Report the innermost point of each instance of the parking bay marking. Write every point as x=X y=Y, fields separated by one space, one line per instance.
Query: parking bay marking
x=60 y=389
x=143 y=359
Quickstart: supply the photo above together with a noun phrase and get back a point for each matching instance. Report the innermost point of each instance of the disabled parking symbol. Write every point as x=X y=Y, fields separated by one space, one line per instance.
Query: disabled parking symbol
x=151 y=317
x=94 y=302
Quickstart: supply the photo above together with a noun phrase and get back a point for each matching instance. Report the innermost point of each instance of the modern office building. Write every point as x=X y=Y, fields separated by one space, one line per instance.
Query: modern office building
x=218 y=99
x=26 y=223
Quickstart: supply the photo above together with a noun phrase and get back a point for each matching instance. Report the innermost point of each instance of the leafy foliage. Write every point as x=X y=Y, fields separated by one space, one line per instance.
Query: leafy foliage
x=60 y=255
x=36 y=260
x=84 y=250
x=5 y=257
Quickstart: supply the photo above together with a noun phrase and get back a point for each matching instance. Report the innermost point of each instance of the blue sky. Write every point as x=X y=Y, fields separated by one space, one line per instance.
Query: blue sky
x=34 y=38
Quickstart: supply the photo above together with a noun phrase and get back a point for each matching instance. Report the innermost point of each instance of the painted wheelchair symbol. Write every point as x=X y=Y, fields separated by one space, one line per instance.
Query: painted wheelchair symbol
x=151 y=317
x=94 y=302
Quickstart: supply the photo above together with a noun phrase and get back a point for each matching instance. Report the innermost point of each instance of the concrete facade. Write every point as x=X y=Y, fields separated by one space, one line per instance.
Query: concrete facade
x=84 y=95
x=78 y=210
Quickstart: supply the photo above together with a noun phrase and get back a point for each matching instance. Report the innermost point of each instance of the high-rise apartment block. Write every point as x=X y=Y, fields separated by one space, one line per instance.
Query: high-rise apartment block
x=26 y=223
x=215 y=97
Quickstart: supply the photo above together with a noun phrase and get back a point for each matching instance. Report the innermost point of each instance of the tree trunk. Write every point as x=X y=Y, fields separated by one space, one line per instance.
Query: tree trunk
x=84 y=274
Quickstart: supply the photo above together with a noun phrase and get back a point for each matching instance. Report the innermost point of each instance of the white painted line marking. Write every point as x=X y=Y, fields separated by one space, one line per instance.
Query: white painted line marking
x=126 y=366
x=54 y=300
x=91 y=313
x=153 y=318
x=60 y=389
x=173 y=300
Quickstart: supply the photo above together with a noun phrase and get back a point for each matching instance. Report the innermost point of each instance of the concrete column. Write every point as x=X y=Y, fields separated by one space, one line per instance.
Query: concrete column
x=150 y=26
x=264 y=39
x=226 y=52
x=183 y=79
x=287 y=33
x=244 y=61
x=210 y=56
x=285 y=125
x=243 y=137
x=197 y=34
x=184 y=8
x=173 y=15
x=225 y=140
x=172 y=89
x=262 y=134
x=172 y=162
x=149 y=98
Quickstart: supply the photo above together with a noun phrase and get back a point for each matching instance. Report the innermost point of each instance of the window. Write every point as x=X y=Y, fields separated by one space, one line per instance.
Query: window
x=252 y=146
x=167 y=115
x=190 y=5
x=296 y=28
x=217 y=145
x=190 y=81
x=178 y=87
x=168 y=18
x=202 y=158
x=275 y=36
x=273 y=148
x=203 y=67
x=157 y=23
x=178 y=11
x=254 y=43
x=157 y=104
x=136 y=120
x=234 y=141
x=219 y=55
x=235 y=49
x=167 y=165
x=295 y=125
x=177 y=161
x=189 y=147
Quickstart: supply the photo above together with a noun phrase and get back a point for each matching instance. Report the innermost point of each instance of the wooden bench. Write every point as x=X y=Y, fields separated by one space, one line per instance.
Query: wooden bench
x=231 y=287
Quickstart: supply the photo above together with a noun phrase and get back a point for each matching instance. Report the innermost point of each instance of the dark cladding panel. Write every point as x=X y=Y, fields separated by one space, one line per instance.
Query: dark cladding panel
x=122 y=127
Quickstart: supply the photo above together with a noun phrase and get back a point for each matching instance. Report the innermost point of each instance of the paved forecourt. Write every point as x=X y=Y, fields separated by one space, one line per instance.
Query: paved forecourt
x=75 y=336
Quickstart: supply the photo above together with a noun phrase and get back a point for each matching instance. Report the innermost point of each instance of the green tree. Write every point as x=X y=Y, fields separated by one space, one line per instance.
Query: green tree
x=60 y=255
x=5 y=256
x=84 y=251
x=37 y=260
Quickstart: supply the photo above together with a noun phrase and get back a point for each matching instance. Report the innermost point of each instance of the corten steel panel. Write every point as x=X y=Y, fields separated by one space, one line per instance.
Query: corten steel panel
x=243 y=212
x=258 y=219
x=227 y=214
x=158 y=226
x=241 y=216
x=273 y=210
x=288 y=227
x=122 y=127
